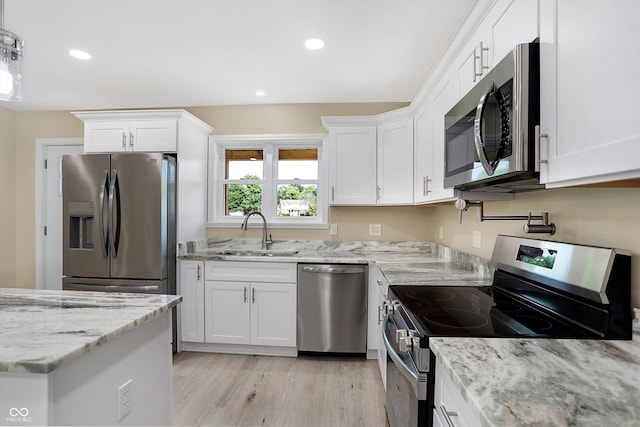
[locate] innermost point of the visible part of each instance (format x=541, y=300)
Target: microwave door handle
x=491, y=166
x=477, y=132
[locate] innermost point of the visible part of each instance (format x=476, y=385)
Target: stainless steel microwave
x=490, y=134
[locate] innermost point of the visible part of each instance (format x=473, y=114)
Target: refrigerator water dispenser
x=81, y=225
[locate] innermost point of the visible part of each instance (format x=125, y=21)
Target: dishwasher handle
x=333, y=269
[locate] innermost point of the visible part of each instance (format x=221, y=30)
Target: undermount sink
x=255, y=252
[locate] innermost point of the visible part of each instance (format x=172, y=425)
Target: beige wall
x=29, y=127
x=18, y=137
x=7, y=197
x=399, y=223
x=606, y=217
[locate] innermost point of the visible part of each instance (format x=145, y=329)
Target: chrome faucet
x=243, y=226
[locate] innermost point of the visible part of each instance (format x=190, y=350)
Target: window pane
x=242, y=198
x=298, y=163
x=297, y=200
x=243, y=164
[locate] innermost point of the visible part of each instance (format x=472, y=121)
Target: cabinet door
x=153, y=135
x=191, y=287
x=373, y=325
x=449, y=404
x=511, y=23
x=473, y=61
x=352, y=165
x=106, y=137
x=423, y=154
x=507, y=23
x=227, y=311
x=589, y=51
x=395, y=162
x=442, y=102
x=273, y=314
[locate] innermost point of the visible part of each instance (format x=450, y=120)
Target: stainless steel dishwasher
x=332, y=308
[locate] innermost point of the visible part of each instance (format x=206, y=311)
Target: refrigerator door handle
x=114, y=229
x=103, y=236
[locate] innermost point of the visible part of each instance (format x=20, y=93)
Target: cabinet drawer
x=285, y=272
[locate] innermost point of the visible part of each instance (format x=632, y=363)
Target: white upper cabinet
x=371, y=160
x=395, y=162
x=135, y=136
x=506, y=24
x=429, y=146
x=589, y=92
x=135, y=130
x=352, y=165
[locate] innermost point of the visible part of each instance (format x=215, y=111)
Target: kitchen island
x=85, y=358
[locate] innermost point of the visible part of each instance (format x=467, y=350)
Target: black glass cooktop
x=461, y=311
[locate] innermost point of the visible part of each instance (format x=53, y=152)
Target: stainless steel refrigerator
x=119, y=222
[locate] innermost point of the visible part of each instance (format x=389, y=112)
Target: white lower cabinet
x=383, y=287
x=250, y=313
x=229, y=303
x=227, y=312
x=250, y=303
x=191, y=287
x=450, y=408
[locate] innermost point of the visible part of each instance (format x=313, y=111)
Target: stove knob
x=388, y=306
x=401, y=334
x=405, y=344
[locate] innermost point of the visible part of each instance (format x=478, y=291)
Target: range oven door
x=407, y=402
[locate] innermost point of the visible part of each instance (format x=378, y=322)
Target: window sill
x=273, y=225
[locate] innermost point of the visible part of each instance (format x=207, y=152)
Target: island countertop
x=42, y=329
x=546, y=382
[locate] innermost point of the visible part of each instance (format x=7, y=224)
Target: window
x=279, y=176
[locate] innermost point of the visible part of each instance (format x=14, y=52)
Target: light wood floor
x=213, y=389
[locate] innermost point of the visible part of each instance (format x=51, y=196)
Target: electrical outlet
x=124, y=399
x=333, y=229
x=477, y=239
x=441, y=232
x=375, y=229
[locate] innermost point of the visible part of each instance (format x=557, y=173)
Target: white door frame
x=41, y=150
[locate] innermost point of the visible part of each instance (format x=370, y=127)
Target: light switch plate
x=333, y=229
x=441, y=232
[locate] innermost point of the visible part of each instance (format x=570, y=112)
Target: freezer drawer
x=332, y=308
x=113, y=285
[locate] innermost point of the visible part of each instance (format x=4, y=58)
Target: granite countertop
x=546, y=382
x=42, y=329
x=407, y=263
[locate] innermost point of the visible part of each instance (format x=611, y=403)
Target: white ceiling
x=170, y=53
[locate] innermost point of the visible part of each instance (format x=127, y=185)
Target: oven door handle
x=405, y=369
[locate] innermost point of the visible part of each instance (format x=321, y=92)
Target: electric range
x=541, y=289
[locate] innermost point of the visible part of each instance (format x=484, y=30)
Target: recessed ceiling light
x=260, y=93
x=314, y=44
x=80, y=54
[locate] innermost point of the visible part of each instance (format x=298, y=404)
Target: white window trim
x=217, y=145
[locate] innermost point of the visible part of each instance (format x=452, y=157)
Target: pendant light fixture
x=10, y=62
